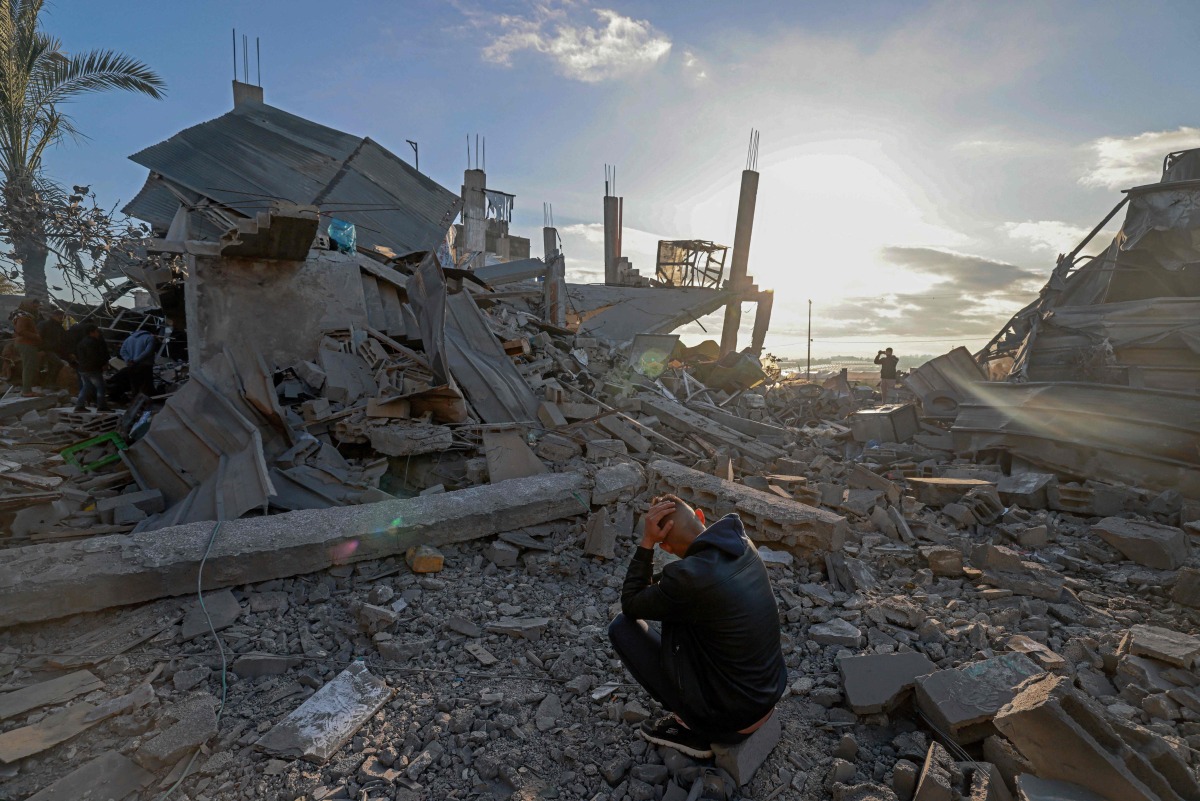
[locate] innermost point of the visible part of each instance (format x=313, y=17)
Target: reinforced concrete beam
x=51, y=580
x=804, y=530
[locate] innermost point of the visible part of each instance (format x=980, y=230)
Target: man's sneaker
x=670, y=732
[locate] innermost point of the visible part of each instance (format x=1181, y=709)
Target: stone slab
x=1187, y=588
x=879, y=682
x=616, y=480
x=743, y=760
x=1150, y=544
x=109, y=775
x=963, y=701
x=327, y=720
x=51, y=580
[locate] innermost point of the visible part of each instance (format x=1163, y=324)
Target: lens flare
x=343, y=551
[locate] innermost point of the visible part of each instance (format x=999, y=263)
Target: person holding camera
x=887, y=372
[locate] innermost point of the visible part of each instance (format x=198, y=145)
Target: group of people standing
x=43, y=345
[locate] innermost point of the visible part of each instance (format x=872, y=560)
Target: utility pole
x=808, y=369
x=416, y=154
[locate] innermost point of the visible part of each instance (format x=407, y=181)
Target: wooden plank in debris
x=130, y=629
x=321, y=725
x=10, y=502
x=55, y=728
x=109, y=775
x=44, y=483
x=55, y=691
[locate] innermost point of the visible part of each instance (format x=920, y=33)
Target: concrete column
x=612, y=237
x=762, y=320
x=741, y=257
x=549, y=244
x=474, y=212
x=556, y=290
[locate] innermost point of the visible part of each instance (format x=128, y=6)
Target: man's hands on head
x=657, y=521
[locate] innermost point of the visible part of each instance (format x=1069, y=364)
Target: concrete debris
x=316, y=729
x=876, y=683
x=1069, y=737
x=962, y=702
x=427, y=458
x=1149, y=544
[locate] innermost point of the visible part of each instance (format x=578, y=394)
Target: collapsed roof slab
x=47, y=581
x=618, y=313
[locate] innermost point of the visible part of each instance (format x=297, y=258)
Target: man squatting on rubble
x=717, y=665
x=887, y=372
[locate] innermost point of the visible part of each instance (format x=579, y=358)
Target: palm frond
x=60, y=79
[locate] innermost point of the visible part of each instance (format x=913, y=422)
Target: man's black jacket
x=91, y=354
x=720, y=625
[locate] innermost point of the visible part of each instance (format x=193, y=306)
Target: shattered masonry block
x=1150, y=544
x=876, y=683
x=601, y=536
x=806, y=531
x=606, y=448
x=327, y=720
x=1165, y=645
x=196, y=724
x=943, y=560
x=529, y=628
x=253, y=665
x=835, y=632
x=1187, y=588
x=410, y=439
x=743, y=760
x=424, y=559
x=940, y=776
x=963, y=701
x=502, y=554
x=616, y=480
x=1067, y=736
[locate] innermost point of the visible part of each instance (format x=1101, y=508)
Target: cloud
x=1053, y=235
x=1124, y=161
x=970, y=275
x=617, y=47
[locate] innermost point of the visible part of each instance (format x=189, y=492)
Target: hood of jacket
x=727, y=535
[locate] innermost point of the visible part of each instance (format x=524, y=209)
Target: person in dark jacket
x=52, y=345
x=717, y=665
x=91, y=356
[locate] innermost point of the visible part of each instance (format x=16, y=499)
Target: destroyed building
x=369, y=544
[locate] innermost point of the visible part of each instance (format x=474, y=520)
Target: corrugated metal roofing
x=256, y=152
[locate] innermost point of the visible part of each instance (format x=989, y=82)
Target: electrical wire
x=220, y=647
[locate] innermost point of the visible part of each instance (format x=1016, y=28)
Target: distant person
x=887, y=372
x=53, y=344
x=25, y=321
x=91, y=357
x=137, y=351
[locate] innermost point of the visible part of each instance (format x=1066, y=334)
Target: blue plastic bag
x=342, y=234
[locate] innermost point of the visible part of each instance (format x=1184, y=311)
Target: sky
x=922, y=163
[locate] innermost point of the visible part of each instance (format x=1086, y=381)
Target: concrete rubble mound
x=365, y=540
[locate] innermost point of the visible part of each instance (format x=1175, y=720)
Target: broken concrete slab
x=321, y=725
x=1187, y=588
x=1031, y=788
x=508, y=456
x=617, y=480
x=963, y=701
x=601, y=536
x=45, y=581
x=835, y=632
x=529, y=628
x=938, y=492
x=804, y=530
x=255, y=664
x=1068, y=736
x=223, y=610
x=876, y=683
x=502, y=554
x=410, y=439
x=109, y=775
x=1165, y=645
x=195, y=724
x=742, y=761
x=940, y=776
x=1150, y=544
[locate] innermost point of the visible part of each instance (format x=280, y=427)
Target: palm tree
x=36, y=79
